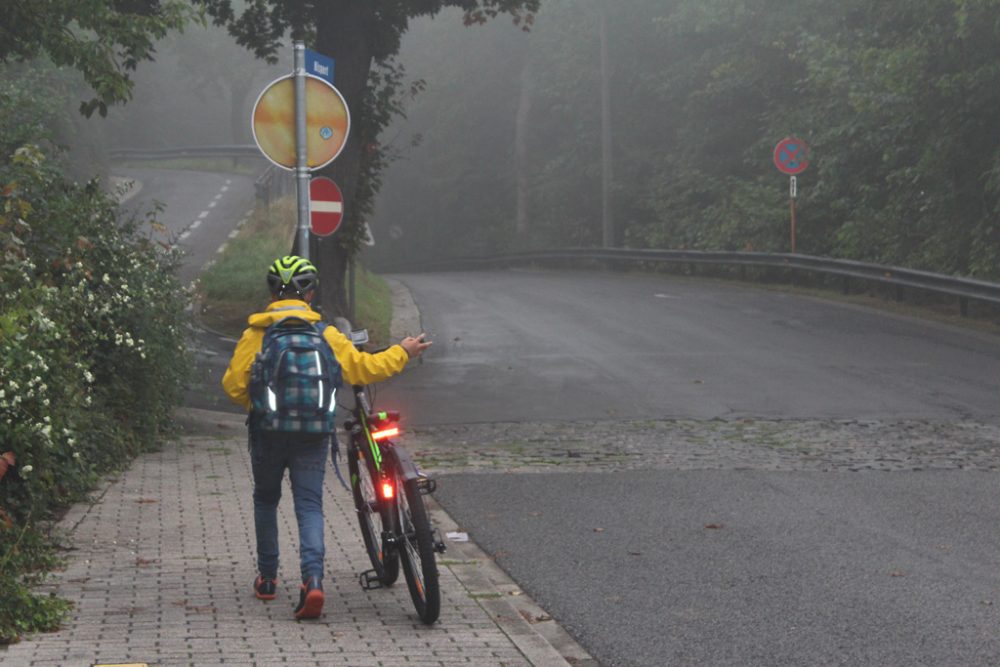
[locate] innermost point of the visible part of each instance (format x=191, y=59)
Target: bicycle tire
x=417, y=551
x=371, y=516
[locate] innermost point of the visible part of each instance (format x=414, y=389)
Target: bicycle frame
x=388, y=491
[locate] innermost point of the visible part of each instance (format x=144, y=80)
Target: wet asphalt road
x=201, y=209
x=551, y=346
x=734, y=568
x=720, y=567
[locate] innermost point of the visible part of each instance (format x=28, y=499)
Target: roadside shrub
x=92, y=358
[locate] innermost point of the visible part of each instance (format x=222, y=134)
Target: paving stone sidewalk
x=161, y=564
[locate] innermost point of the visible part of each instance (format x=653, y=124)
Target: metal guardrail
x=272, y=184
x=234, y=151
x=965, y=289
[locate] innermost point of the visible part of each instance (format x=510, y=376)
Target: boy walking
x=300, y=445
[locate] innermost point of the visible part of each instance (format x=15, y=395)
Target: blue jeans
x=305, y=458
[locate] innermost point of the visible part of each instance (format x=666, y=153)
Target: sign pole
x=301, y=156
x=792, y=195
x=791, y=157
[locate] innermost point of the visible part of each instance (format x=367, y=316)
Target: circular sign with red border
x=326, y=206
x=791, y=156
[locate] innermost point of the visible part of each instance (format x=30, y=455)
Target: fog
x=503, y=149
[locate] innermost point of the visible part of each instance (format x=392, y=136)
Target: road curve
x=545, y=346
x=201, y=209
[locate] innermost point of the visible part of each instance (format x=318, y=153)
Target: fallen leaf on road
x=147, y=501
x=634, y=553
x=532, y=618
x=897, y=573
x=598, y=530
x=714, y=526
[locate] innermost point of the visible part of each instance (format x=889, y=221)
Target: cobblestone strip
x=810, y=445
x=160, y=570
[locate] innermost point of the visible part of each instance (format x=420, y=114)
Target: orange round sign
x=327, y=122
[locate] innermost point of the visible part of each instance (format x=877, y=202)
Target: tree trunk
x=521, y=153
x=343, y=29
x=239, y=110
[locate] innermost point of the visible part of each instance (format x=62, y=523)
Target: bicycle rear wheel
x=417, y=551
x=372, y=518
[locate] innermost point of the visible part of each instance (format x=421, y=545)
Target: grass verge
x=234, y=286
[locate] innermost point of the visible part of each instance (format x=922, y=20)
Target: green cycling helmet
x=292, y=274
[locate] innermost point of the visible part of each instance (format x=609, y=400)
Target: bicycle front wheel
x=372, y=518
x=417, y=551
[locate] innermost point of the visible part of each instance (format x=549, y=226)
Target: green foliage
x=897, y=100
x=104, y=40
x=92, y=355
x=374, y=307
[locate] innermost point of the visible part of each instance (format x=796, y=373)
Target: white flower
x=106, y=279
x=76, y=455
x=26, y=469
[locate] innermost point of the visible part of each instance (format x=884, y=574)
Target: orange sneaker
x=310, y=599
x=264, y=588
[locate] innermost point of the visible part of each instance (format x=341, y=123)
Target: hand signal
x=415, y=346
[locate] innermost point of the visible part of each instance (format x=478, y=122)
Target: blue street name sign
x=319, y=65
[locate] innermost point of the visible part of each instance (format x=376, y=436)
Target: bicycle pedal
x=439, y=545
x=370, y=580
x=426, y=485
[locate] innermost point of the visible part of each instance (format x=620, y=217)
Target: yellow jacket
x=358, y=367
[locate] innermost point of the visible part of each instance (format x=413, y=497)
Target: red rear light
x=389, y=432
x=387, y=491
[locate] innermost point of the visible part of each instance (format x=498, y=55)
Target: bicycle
x=388, y=492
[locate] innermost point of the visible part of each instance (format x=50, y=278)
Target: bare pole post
x=608, y=223
x=301, y=149
x=793, y=193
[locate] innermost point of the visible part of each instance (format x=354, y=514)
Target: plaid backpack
x=294, y=379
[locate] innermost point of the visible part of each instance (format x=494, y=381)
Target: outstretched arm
x=415, y=346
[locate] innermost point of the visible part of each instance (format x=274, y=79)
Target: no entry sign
x=791, y=156
x=326, y=206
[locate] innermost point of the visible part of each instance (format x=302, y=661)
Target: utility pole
x=607, y=215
